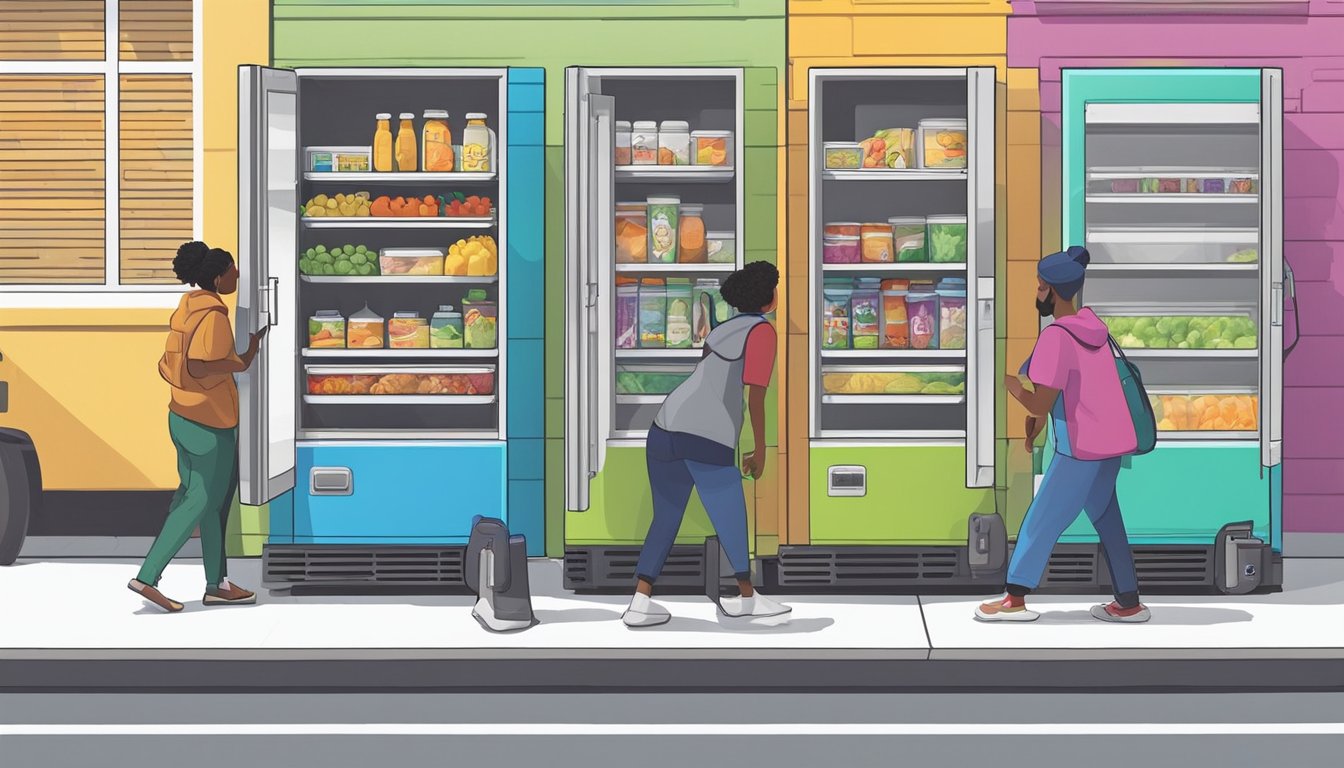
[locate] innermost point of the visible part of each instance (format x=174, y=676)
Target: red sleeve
x=759, y=358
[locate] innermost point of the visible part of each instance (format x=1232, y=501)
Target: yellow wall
x=860, y=33
x=83, y=382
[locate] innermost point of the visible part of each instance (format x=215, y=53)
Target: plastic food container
x=712, y=148
x=632, y=233
x=895, y=321
x=1213, y=412
x=952, y=326
x=480, y=321
x=644, y=143
x=691, y=240
x=445, y=329
x=411, y=261
x=921, y=306
x=401, y=381
x=407, y=330
x=842, y=228
x=706, y=305
x=627, y=314
x=1138, y=328
x=860, y=381
x=340, y=159
x=908, y=242
x=674, y=143
x=843, y=155
x=678, y=328
x=876, y=244
x=942, y=143
x=623, y=131
x=1168, y=186
x=365, y=330
x=721, y=247
x=663, y=218
x=1241, y=186
x=652, y=314
x=649, y=379
x=835, y=315
x=1125, y=186
x=326, y=330
x=865, y=313
x=840, y=249
x=946, y=241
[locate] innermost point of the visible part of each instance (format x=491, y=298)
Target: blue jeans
x=672, y=476
x=1071, y=486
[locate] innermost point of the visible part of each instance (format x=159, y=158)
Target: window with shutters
x=99, y=143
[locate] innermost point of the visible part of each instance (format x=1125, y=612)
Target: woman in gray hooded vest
x=693, y=442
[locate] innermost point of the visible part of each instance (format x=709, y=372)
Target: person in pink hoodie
x=1071, y=377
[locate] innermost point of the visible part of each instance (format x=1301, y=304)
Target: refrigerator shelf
x=403, y=279
x=1172, y=197
x=659, y=354
x=399, y=222
x=421, y=370
x=337, y=436
x=1205, y=436
x=399, y=399
x=376, y=354
x=1160, y=235
x=893, y=399
x=705, y=173
x=908, y=435
x=896, y=174
x=1211, y=268
x=699, y=268
x=894, y=267
x=403, y=178
x=894, y=354
x=891, y=369
x=1145, y=172
x=640, y=399
x=1192, y=354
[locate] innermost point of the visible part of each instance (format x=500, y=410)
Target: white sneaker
x=756, y=607
x=643, y=612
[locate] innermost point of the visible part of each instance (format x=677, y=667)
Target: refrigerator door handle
x=1276, y=305
x=274, y=290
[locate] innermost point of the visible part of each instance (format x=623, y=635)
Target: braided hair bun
x=200, y=265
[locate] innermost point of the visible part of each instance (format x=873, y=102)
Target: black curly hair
x=200, y=265
x=751, y=288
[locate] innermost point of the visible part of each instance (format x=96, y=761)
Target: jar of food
x=895, y=321
x=652, y=314
x=705, y=302
x=840, y=249
x=326, y=330
x=438, y=142
x=627, y=313
x=480, y=321
x=407, y=330
x=478, y=145
x=712, y=148
x=842, y=155
x=663, y=215
x=865, y=308
x=842, y=228
x=835, y=314
x=921, y=306
x=445, y=329
x=907, y=234
x=722, y=247
x=644, y=143
x=365, y=330
x=632, y=233
x=382, y=143
x=674, y=143
x=406, y=154
x=947, y=239
x=952, y=313
x=876, y=244
x=623, y=142
x=678, y=313
x=691, y=247
x=942, y=143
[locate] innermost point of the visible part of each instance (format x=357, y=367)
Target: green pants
x=207, y=468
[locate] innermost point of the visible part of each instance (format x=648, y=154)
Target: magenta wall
x=1306, y=40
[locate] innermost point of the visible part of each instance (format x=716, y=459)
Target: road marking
x=675, y=729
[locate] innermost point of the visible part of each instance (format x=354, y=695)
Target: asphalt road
x=651, y=731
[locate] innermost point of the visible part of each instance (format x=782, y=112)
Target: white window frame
x=112, y=294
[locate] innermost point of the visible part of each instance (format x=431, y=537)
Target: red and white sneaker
x=1114, y=613
x=1006, y=609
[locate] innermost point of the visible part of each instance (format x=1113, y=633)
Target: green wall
x=554, y=35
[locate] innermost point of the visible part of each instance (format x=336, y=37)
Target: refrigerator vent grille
x=610, y=568
x=1071, y=566
x=355, y=566
x=1173, y=566
x=867, y=568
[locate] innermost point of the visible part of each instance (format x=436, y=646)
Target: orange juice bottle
x=438, y=142
x=382, y=143
x=406, y=154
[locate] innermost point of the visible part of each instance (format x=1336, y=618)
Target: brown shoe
x=152, y=595
x=228, y=593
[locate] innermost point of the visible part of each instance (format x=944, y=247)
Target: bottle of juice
x=406, y=154
x=478, y=143
x=438, y=142
x=382, y=143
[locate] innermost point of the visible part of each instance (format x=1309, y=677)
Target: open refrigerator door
x=1274, y=280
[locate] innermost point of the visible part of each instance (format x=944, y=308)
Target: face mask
x=1046, y=307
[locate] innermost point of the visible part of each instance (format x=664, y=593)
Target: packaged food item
x=411, y=261
x=1144, y=331
x=1148, y=186
x=326, y=330
x=663, y=214
x=382, y=143
x=942, y=143
x=406, y=154
x=952, y=313
x=840, y=249
x=1241, y=186
x=876, y=244
x=674, y=143
x=407, y=330
x=691, y=245
x=340, y=159
x=865, y=311
x=1168, y=186
x=1212, y=186
x=1244, y=256
x=895, y=321
x=627, y=313
x=907, y=233
x=632, y=233
x=890, y=148
x=438, y=142
x=835, y=314
x=947, y=239
x=678, y=327
x=652, y=314
x=1199, y=413
x=623, y=130
x=480, y=321
x=644, y=143
x=1124, y=186
x=649, y=379
x=921, y=306
x=475, y=256
x=365, y=330
x=478, y=145
x=445, y=328
x=842, y=229
x=705, y=300
x=721, y=247
x=712, y=148
x=862, y=382
x=842, y=155
x=341, y=261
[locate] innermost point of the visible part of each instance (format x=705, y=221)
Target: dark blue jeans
x=677, y=463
